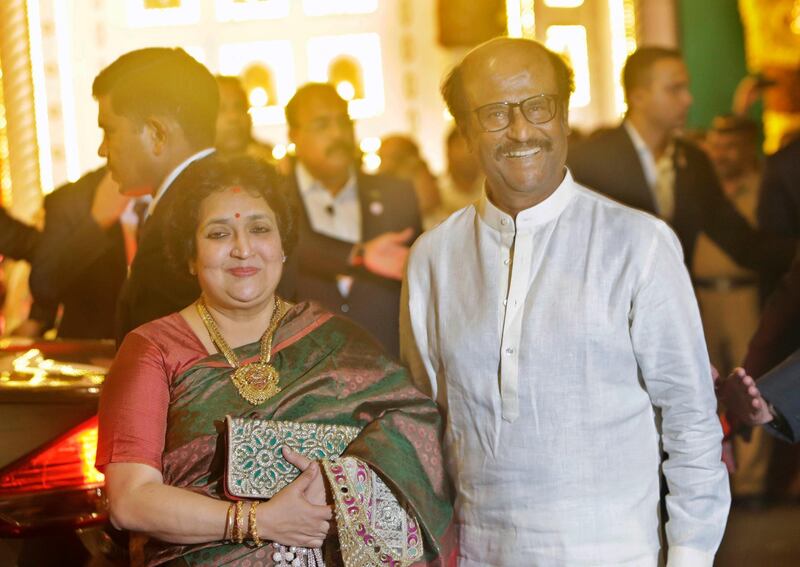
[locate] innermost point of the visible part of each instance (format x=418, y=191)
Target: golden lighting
x=520, y=18
x=258, y=97
x=5, y=169
x=355, y=58
x=794, y=24
x=146, y=13
x=570, y=41
x=563, y=3
x=346, y=90
x=622, y=20
x=87, y=441
x=371, y=162
x=279, y=152
x=65, y=74
x=265, y=65
x=32, y=370
x=240, y=11
x=370, y=144
x=40, y=97
x=339, y=7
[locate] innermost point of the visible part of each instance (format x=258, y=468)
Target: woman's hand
x=315, y=493
x=290, y=519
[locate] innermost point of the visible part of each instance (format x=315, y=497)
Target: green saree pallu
x=331, y=372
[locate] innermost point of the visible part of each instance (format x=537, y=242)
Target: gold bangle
x=228, y=535
x=252, y=526
x=238, y=523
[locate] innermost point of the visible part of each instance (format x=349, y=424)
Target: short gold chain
x=222, y=345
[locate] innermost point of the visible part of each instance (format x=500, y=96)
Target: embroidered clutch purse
x=255, y=467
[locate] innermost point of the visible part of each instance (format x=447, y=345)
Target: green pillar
x=712, y=41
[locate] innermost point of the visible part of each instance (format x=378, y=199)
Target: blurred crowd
x=95, y=261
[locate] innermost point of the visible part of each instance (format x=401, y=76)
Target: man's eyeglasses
x=537, y=109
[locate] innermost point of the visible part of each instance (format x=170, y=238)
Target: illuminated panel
x=622, y=15
x=197, y=53
x=363, y=49
x=5, y=170
x=152, y=13
x=334, y=7
x=67, y=90
x=563, y=3
x=40, y=97
x=243, y=10
x=570, y=41
x=520, y=19
x=277, y=56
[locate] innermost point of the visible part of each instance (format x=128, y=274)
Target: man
x=234, y=124
x=643, y=164
x=463, y=183
x=157, y=109
x=401, y=158
x=779, y=202
x=17, y=239
x=728, y=294
x=353, y=229
x=559, y=332
x=774, y=360
x=82, y=260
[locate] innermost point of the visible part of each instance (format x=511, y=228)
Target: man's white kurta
x=553, y=342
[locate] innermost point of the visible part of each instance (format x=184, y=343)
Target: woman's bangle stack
x=235, y=527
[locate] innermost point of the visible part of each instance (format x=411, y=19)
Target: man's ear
x=157, y=132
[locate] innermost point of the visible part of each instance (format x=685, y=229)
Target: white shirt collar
x=307, y=183
x=172, y=176
x=538, y=214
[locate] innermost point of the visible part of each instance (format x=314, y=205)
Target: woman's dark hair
x=209, y=175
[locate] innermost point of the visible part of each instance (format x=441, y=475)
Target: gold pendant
x=256, y=382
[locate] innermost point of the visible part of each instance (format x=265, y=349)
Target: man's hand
x=108, y=203
x=741, y=397
x=386, y=255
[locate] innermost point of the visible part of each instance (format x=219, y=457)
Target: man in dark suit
x=17, y=239
x=773, y=400
x=157, y=110
x=779, y=206
x=642, y=163
x=779, y=201
x=354, y=229
x=81, y=262
x=773, y=359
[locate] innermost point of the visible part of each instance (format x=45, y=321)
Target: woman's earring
x=284, y=259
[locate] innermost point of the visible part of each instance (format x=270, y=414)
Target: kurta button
x=507, y=261
x=510, y=350
x=504, y=222
x=345, y=308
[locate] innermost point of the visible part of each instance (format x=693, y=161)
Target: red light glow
x=66, y=463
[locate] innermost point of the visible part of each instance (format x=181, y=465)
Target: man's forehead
x=518, y=72
x=319, y=105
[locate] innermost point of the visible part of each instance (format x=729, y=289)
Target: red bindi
x=237, y=215
x=236, y=189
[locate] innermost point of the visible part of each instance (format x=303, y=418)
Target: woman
x=240, y=350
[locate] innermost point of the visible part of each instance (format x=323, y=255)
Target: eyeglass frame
x=553, y=99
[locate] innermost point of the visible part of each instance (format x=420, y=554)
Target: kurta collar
x=534, y=216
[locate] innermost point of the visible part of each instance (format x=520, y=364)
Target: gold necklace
x=258, y=381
